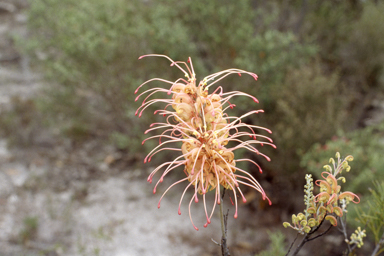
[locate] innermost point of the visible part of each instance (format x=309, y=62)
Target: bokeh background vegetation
x=320, y=67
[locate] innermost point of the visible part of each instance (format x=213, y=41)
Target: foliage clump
x=277, y=246
x=371, y=216
x=365, y=145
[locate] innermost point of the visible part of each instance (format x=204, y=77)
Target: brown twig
x=379, y=244
x=307, y=238
x=290, y=247
x=224, y=219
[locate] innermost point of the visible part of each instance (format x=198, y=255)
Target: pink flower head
x=197, y=125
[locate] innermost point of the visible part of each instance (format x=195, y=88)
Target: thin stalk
x=343, y=230
x=379, y=244
x=300, y=245
x=290, y=247
x=307, y=238
x=223, y=218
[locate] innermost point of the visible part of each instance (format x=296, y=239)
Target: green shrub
x=370, y=215
x=89, y=50
x=277, y=246
x=363, y=54
x=366, y=147
x=29, y=231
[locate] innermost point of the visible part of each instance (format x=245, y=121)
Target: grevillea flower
x=197, y=125
x=330, y=203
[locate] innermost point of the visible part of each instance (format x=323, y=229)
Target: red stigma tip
x=137, y=98
x=262, y=144
x=179, y=212
x=189, y=59
x=235, y=216
x=140, y=115
x=164, y=115
x=145, y=160
x=239, y=74
x=196, y=228
x=158, y=205
x=255, y=100
x=244, y=200
x=142, y=143
x=136, y=90
x=206, y=225
x=154, y=192
x=141, y=57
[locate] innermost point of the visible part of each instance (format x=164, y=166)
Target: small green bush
x=277, y=246
x=89, y=51
x=371, y=215
x=365, y=145
x=363, y=54
x=29, y=231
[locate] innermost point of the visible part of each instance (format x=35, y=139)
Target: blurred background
x=72, y=178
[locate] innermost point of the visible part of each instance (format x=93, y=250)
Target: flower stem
x=223, y=218
x=379, y=244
